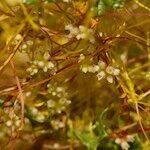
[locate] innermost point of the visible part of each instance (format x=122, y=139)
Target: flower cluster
x=37, y=115
x=80, y=32
x=43, y=64
x=25, y=46
x=11, y=120
x=57, y=124
x=102, y=70
x=123, y=142
x=60, y=99
x=57, y=104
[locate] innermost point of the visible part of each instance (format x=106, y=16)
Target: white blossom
x=96, y=68
x=102, y=64
x=116, y=72
x=41, y=64
x=81, y=36
x=123, y=142
x=110, y=69
x=84, y=69
x=81, y=32
x=125, y=145
x=24, y=46
x=9, y=123
x=101, y=75
x=46, y=56
x=18, y=37
x=110, y=79
x=51, y=103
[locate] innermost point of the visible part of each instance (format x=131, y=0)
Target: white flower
x=50, y=65
x=123, y=57
x=35, y=70
x=54, y=93
x=116, y=72
x=110, y=69
x=102, y=64
x=46, y=56
x=18, y=37
x=91, y=69
x=45, y=69
x=61, y=124
x=96, y=68
x=40, y=117
x=9, y=123
x=34, y=111
x=41, y=64
x=82, y=57
x=28, y=93
x=68, y=102
x=51, y=103
x=80, y=32
x=124, y=145
x=81, y=36
x=74, y=31
x=110, y=79
x=57, y=124
x=59, y=89
x=123, y=142
x=101, y=75
x=84, y=69
x=69, y=27
x=118, y=141
x=24, y=46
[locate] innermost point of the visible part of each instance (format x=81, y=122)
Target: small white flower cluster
x=13, y=120
x=59, y=101
x=81, y=58
x=123, y=142
x=80, y=32
x=25, y=46
x=102, y=70
x=43, y=64
x=57, y=124
x=57, y=104
x=38, y=115
x=89, y=68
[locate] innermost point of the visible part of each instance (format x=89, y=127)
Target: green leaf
x=100, y=124
x=1, y=101
x=101, y=8
x=31, y=1
x=90, y=140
